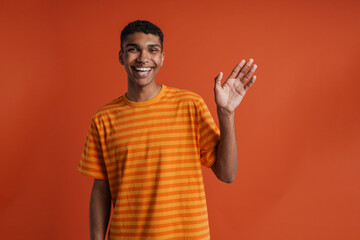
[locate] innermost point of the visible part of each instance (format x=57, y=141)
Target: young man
x=145, y=149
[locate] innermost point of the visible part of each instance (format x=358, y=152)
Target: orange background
x=298, y=126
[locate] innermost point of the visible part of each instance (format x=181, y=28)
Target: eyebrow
x=136, y=45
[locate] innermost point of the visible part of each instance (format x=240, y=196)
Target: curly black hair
x=141, y=26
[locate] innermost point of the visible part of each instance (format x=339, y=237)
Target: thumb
x=218, y=80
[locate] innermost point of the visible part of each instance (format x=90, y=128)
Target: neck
x=142, y=93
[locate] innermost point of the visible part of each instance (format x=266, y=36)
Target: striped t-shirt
x=151, y=153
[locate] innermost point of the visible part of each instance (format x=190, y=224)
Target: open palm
x=229, y=95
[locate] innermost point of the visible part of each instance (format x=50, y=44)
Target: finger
x=249, y=74
x=245, y=68
x=218, y=80
x=237, y=69
x=251, y=82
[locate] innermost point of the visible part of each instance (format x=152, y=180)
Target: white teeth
x=142, y=69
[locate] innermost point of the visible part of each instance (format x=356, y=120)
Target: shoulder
x=182, y=95
x=108, y=110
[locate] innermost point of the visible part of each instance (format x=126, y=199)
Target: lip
x=141, y=74
x=142, y=66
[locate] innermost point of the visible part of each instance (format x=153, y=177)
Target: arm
x=228, y=97
x=225, y=166
x=100, y=207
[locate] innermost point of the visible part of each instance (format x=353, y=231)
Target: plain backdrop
x=298, y=127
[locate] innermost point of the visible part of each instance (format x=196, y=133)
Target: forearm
x=227, y=154
x=100, y=208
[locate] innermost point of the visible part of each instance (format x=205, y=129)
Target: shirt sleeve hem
x=210, y=163
x=90, y=174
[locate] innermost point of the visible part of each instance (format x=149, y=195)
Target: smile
x=141, y=71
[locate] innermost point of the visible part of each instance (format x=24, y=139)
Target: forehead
x=141, y=38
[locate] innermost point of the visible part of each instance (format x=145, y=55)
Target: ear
x=162, y=58
x=121, y=57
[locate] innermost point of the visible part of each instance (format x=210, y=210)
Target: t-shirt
x=151, y=153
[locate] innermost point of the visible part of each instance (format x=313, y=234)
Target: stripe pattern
x=151, y=153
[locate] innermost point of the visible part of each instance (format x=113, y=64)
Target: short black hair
x=141, y=26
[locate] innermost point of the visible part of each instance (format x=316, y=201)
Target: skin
x=144, y=50
x=100, y=208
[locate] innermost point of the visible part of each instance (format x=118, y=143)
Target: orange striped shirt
x=151, y=153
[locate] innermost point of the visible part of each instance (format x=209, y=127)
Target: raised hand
x=229, y=95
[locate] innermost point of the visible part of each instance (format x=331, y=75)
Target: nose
x=143, y=57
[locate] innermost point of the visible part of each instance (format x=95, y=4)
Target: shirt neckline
x=147, y=102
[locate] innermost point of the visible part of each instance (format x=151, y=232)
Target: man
x=145, y=149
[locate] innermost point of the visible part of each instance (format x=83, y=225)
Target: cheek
x=160, y=61
x=129, y=58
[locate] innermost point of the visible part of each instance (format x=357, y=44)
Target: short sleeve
x=92, y=161
x=209, y=135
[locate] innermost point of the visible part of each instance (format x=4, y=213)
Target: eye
x=154, y=50
x=132, y=49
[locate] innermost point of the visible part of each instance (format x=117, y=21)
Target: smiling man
x=145, y=149
x=142, y=56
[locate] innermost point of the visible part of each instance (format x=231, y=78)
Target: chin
x=142, y=82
